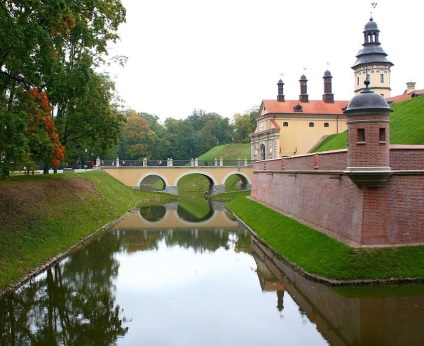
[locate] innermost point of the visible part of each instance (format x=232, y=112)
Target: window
x=326, y=125
x=311, y=124
x=361, y=135
x=382, y=135
x=381, y=78
x=357, y=80
x=298, y=108
x=285, y=124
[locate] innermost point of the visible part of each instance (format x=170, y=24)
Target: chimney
x=410, y=87
x=328, y=96
x=280, y=96
x=303, y=97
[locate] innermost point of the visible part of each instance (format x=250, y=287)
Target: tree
x=55, y=49
x=93, y=123
x=245, y=124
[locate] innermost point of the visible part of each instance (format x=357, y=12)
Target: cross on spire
x=374, y=5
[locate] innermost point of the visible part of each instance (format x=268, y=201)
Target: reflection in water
x=71, y=303
x=167, y=280
x=377, y=315
x=153, y=213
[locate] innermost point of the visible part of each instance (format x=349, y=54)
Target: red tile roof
x=405, y=96
x=311, y=107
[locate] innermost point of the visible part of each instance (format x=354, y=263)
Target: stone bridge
x=170, y=175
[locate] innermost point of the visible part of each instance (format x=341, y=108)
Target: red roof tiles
x=311, y=107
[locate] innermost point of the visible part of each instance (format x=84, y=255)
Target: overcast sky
x=225, y=56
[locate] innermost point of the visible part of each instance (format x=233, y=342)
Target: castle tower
x=303, y=97
x=280, y=96
x=328, y=96
x=368, y=154
x=371, y=60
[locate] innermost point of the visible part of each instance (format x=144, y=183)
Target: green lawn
x=318, y=254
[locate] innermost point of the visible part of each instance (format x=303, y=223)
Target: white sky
x=225, y=56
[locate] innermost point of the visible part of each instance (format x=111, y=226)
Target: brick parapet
x=407, y=157
x=402, y=158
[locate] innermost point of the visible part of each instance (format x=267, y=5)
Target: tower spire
x=371, y=61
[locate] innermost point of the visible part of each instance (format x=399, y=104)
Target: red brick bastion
x=316, y=189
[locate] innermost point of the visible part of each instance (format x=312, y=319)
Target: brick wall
x=331, y=202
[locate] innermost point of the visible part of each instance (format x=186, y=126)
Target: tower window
x=326, y=125
x=357, y=80
x=361, y=135
x=381, y=78
x=285, y=124
x=311, y=124
x=382, y=134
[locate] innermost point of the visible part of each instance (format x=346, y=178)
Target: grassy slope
x=406, y=126
x=321, y=255
x=227, y=152
x=42, y=216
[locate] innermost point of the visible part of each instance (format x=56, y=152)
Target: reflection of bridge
x=170, y=175
x=171, y=220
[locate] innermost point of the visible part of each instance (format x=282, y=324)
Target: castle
x=369, y=195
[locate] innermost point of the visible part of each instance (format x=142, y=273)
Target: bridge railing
x=177, y=163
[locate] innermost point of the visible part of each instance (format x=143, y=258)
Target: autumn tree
x=54, y=47
x=244, y=125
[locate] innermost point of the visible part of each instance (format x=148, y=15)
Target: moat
x=176, y=275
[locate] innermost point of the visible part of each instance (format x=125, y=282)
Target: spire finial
x=374, y=5
x=367, y=79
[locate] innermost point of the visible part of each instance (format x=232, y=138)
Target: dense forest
x=56, y=108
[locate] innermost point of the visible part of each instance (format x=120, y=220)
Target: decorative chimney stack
x=368, y=155
x=303, y=97
x=328, y=96
x=410, y=87
x=280, y=96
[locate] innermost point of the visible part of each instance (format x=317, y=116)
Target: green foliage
x=55, y=50
x=318, y=254
x=406, y=126
x=244, y=125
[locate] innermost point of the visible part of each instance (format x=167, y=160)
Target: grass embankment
x=42, y=216
x=320, y=255
x=406, y=126
x=227, y=152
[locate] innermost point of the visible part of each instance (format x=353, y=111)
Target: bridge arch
x=208, y=175
x=245, y=179
x=213, y=185
x=156, y=174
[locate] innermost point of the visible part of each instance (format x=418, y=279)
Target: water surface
x=174, y=275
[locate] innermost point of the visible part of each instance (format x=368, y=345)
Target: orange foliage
x=58, y=152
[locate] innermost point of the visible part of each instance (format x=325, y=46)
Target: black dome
x=366, y=101
x=371, y=26
x=327, y=74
